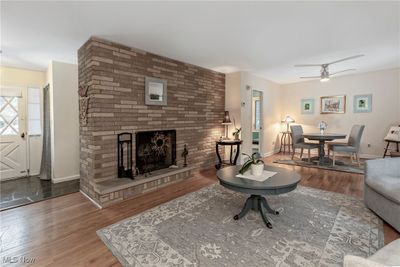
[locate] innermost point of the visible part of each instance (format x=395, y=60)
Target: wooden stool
x=387, y=146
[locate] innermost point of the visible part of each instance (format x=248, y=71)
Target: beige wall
x=271, y=113
x=23, y=78
x=238, y=101
x=64, y=117
x=232, y=99
x=383, y=85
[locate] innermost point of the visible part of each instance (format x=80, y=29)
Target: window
x=257, y=114
x=34, y=121
x=9, y=119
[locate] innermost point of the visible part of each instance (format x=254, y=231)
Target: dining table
x=322, y=138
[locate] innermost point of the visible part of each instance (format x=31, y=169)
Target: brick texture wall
x=116, y=76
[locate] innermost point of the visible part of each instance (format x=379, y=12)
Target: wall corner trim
x=91, y=200
x=66, y=178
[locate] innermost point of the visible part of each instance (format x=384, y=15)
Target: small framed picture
x=362, y=103
x=307, y=106
x=155, y=91
x=333, y=104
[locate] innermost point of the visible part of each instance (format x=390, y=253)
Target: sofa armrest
x=382, y=167
x=355, y=261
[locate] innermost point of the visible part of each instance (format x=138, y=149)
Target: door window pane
x=34, y=121
x=9, y=121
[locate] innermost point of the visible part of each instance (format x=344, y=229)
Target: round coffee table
x=282, y=182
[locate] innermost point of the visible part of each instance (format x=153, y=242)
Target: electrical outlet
x=369, y=145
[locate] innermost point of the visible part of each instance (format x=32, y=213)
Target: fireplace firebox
x=155, y=150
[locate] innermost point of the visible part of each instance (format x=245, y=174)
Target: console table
x=230, y=143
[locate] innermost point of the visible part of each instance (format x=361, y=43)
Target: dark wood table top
x=325, y=136
x=283, y=179
x=229, y=142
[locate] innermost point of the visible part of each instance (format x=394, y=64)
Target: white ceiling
x=265, y=38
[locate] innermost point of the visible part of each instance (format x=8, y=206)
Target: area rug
x=315, y=228
x=342, y=167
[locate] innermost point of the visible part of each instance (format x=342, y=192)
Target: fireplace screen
x=155, y=150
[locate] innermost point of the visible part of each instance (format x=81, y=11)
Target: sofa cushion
x=388, y=255
x=388, y=186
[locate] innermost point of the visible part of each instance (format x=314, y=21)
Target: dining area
x=325, y=149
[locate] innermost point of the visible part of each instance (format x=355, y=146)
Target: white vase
x=257, y=169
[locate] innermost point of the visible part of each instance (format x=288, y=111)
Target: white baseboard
x=66, y=178
x=270, y=153
x=91, y=200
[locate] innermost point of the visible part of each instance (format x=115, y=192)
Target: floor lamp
x=286, y=136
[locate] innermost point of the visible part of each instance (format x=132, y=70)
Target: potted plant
x=237, y=130
x=236, y=133
x=255, y=163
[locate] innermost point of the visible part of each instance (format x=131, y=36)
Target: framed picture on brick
x=155, y=91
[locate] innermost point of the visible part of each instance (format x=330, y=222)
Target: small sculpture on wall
x=185, y=153
x=83, y=103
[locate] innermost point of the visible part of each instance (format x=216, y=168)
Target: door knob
x=23, y=135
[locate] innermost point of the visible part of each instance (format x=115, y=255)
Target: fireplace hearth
x=155, y=150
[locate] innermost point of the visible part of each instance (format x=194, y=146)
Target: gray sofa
x=382, y=189
x=386, y=256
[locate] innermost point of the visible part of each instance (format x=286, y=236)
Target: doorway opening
x=21, y=149
x=256, y=128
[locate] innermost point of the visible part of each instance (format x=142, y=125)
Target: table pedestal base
x=257, y=203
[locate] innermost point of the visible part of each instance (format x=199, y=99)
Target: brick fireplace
x=115, y=75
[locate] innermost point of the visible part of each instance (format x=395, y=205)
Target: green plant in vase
x=237, y=131
x=255, y=162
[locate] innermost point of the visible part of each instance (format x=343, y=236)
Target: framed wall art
x=362, y=103
x=155, y=91
x=333, y=104
x=307, y=106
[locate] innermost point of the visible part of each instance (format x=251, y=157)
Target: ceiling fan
x=325, y=68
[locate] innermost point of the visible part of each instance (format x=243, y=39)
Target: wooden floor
x=62, y=231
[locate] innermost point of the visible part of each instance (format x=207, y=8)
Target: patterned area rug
x=316, y=228
x=341, y=166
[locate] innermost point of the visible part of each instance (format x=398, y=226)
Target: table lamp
x=288, y=120
x=226, y=122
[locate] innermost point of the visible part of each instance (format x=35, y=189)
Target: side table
x=230, y=143
x=286, y=141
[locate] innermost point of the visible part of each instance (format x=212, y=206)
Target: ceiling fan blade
x=310, y=77
x=341, y=71
x=308, y=65
x=343, y=59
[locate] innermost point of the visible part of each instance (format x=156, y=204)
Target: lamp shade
x=288, y=119
x=227, y=119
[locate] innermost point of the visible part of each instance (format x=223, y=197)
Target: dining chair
x=298, y=141
x=352, y=146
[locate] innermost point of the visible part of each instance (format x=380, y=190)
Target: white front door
x=13, y=153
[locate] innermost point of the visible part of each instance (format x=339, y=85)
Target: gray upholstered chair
x=352, y=146
x=298, y=141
